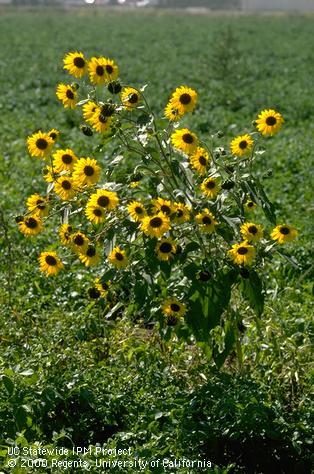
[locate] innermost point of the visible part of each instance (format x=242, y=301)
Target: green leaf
x=252, y=290
x=230, y=337
x=8, y=384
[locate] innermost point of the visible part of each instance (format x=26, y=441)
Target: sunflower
x=95, y=214
x=102, y=70
x=100, y=122
x=89, y=109
x=37, y=205
x=89, y=256
x=284, y=233
x=101, y=286
x=63, y=160
x=65, y=188
x=75, y=63
x=251, y=232
x=105, y=199
x=181, y=212
x=53, y=134
x=211, y=187
x=79, y=242
x=136, y=210
x=165, y=249
x=250, y=206
x=172, y=113
x=269, y=122
x=162, y=205
x=184, y=99
x=242, y=254
x=206, y=220
x=184, y=140
x=67, y=95
x=50, y=263
x=118, y=258
x=241, y=145
x=31, y=226
x=173, y=307
x=156, y=225
x=200, y=160
x=39, y=144
x=65, y=233
x=130, y=97
x=86, y=171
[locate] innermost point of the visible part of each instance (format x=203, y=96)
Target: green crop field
x=77, y=372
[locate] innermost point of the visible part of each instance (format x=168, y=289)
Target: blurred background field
x=66, y=373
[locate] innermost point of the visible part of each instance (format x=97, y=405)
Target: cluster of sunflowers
x=185, y=205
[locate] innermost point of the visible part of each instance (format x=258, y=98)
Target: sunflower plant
x=180, y=240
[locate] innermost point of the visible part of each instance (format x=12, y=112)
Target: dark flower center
x=204, y=275
x=102, y=118
x=109, y=69
x=119, y=256
x=40, y=204
x=138, y=210
x=67, y=159
x=31, y=223
x=105, y=286
x=53, y=135
x=188, y=138
x=175, y=307
x=271, y=121
x=103, y=201
x=156, y=222
x=250, y=204
x=185, y=99
x=89, y=170
x=66, y=185
x=94, y=293
x=133, y=98
x=284, y=230
x=242, y=250
x=97, y=212
x=78, y=240
x=243, y=144
x=179, y=213
x=206, y=220
x=91, y=252
x=253, y=229
x=79, y=62
x=41, y=143
x=202, y=161
x=165, y=209
x=50, y=260
x=210, y=185
x=100, y=71
x=69, y=94
x=165, y=247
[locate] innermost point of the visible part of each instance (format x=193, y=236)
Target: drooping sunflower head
x=48, y=174
x=206, y=221
x=54, y=134
x=86, y=171
x=162, y=205
x=211, y=187
x=39, y=144
x=63, y=160
x=102, y=286
x=118, y=258
x=31, y=225
x=284, y=233
x=184, y=99
x=200, y=160
x=165, y=249
x=67, y=95
x=242, y=145
x=130, y=98
x=184, y=140
x=172, y=113
x=75, y=63
x=242, y=254
x=89, y=255
x=102, y=70
x=37, y=205
x=251, y=232
x=65, y=187
x=65, y=233
x=95, y=214
x=50, y=263
x=156, y=225
x=89, y=109
x=136, y=210
x=181, y=213
x=173, y=307
x=269, y=122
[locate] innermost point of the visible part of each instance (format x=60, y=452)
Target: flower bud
x=86, y=130
x=228, y=184
x=93, y=293
x=114, y=87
